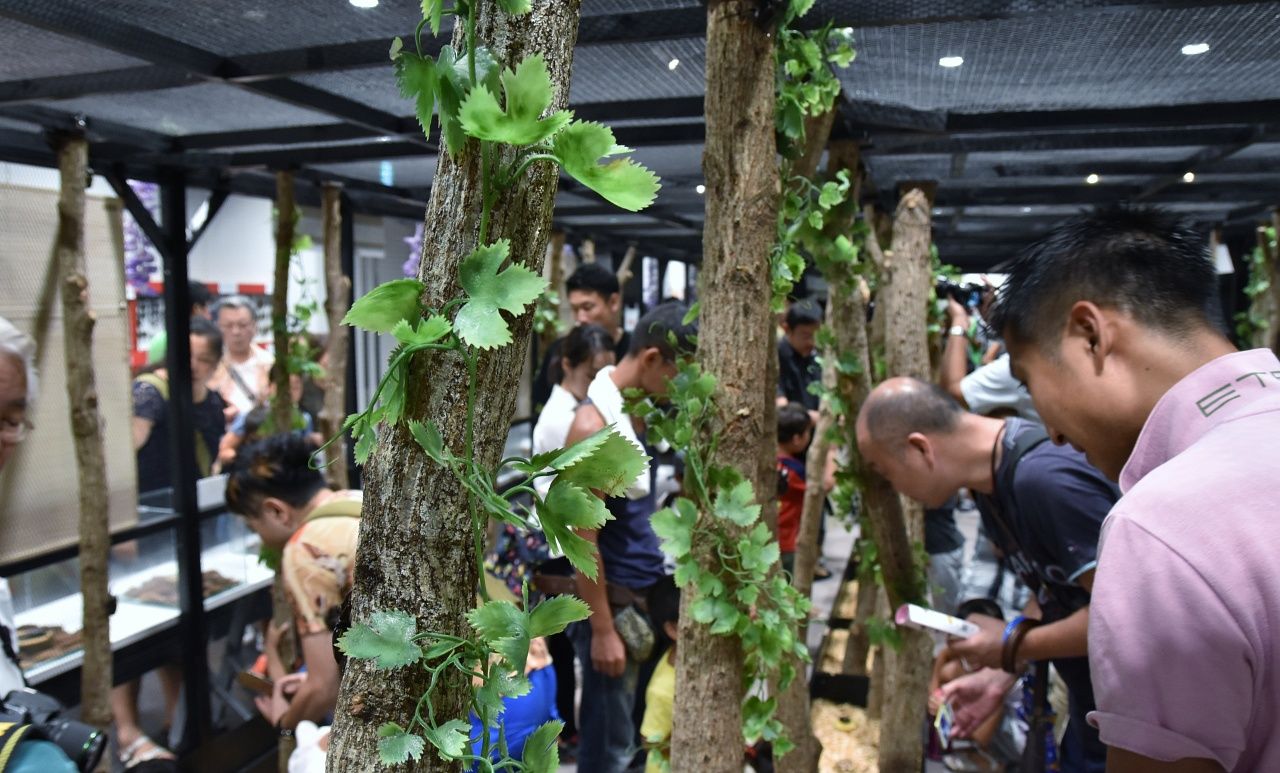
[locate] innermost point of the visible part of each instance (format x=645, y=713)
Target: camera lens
x=82, y=743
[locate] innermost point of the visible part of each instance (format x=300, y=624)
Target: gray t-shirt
x=993, y=387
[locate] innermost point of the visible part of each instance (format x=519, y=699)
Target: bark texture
x=282, y=400
x=904, y=300
x=337, y=301
x=86, y=430
x=555, y=280
x=416, y=548
x=1266, y=306
x=735, y=343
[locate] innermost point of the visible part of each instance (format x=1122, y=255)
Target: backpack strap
x=1029, y=438
x=11, y=734
x=204, y=459
x=161, y=385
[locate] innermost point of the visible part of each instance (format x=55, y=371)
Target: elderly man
x=1041, y=505
x=1112, y=322
x=244, y=374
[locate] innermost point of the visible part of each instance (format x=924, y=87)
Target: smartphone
x=943, y=724
x=255, y=682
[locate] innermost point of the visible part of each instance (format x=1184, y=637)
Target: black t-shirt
x=941, y=535
x=154, y=458
x=549, y=373
x=795, y=374
x=1047, y=527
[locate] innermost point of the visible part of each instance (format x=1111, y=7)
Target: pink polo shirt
x=1184, y=628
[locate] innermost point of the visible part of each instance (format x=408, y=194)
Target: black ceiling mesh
x=626, y=71
x=33, y=53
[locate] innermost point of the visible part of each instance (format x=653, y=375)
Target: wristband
x=957, y=330
x=1009, y=653
x=1011, y=627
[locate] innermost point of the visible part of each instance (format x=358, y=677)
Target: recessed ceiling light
x=1195, y=49
x=700, y=188
x=1092, y=179
x=1189, y=177
x=951, y=61
x=673, y=64
x=1026, y=209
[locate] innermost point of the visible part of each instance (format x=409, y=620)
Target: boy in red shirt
x=795, y=429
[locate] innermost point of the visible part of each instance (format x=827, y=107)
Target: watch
x=958, y=330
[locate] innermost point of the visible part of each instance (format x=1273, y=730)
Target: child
x=795, y=429
x=664, y=613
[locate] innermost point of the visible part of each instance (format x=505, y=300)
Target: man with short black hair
x=629, y=555
x=596, y=299
x=1041, y=505
x=798, y=366
x=1111, y=321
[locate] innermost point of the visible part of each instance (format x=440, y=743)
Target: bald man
x=1042, y=505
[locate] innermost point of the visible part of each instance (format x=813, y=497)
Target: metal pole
x=191, y=628
x=348, y=231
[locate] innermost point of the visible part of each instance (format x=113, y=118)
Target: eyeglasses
x=15, y=431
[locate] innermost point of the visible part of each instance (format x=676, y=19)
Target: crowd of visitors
x=1112, y=440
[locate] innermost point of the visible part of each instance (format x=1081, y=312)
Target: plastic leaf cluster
x=734, y=582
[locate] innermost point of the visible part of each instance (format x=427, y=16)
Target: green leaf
x=554, y=614
x=692, y=313
x=561, y=458
x=452, y=738
x=454, y=84
x=396, y=746
x=427, y=331
x=417, y=78
x=675, y=531
x=611, y=468
x=541, y=754
x=428, y=437
x=387, y=639
x=515, y=8
x=568, y=507
x=622, y=181
x=816, y=220
x=380, y=309
x=737, y=504
x=489, y=291
x=505, y=628
x=528, y=95
x=432, y=10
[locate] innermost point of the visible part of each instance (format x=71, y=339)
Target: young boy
x=664, y=613
x=795, y=429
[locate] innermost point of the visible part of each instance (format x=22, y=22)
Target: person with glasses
x=244, y=374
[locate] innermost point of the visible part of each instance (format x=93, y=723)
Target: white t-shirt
x=10, y=674
x=993, y=387
x=552, y=428
x=255, y=372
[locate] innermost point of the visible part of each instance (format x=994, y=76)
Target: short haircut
x=806, y=312
x=594, y=278
x=926, y=408
x=585, y=342
x=664, y=602
x=1143, y=261
x=20, y=346
x=793, y=421
x=234, y=302
x=198, y=294
x=664, y=328
x=208, y=331
x=278, y=466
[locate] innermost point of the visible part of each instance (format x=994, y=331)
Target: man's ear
x=672, y=629
x=277, y=511
x=651, y=358
x=918, y=442
x=1091, y=327
x=614, y=302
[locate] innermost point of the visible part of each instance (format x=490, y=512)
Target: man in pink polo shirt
x=1111, y=321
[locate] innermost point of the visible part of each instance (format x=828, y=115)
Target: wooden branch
x=282, y=400
x=337, y=301
x=817, y=131
x=624, y=270
x=873, y=241
x=587, y=251
x=86, y=429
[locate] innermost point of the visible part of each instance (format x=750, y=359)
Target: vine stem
x=471, y=41
x=486, y=195
x=529, y=161
x=477, y=527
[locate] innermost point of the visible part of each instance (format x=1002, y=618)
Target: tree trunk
x=904, y=297
x=337, y=301
x=858, y=644
x=1265, y=307
x=555, y=281
x=282, y=400
x=282, y=615
x=735, y=343
x=416, y=550
x=86, y=429
x=624, y=269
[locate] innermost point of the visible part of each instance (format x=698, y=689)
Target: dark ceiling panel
x=30, y=52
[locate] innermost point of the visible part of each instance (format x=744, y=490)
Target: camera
x=83, y=744
x=968, y=295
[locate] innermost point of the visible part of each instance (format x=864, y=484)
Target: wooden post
x=555, y=280
x=86, y=429
x=624, y=269
x=587, y=251
x=337, y=301
x=416, y=544
x=735, y=343
x=282, y=402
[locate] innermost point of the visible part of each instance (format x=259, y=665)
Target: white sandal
x=138, y=752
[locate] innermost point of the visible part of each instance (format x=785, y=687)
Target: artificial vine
x=481, y=109
x=740, y=593
x=1250, y=321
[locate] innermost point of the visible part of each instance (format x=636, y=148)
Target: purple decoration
x=410, y=266
x=141, y=259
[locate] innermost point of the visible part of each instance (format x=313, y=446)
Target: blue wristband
x=1011, y=627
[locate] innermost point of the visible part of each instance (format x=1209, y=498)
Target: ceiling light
x=673, y=64
x=364, y=3
x=1026, y=210
x=1195, y=49
x=700, y=188
x=1189, y=177
x=951, y=61
x=1092, y=179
